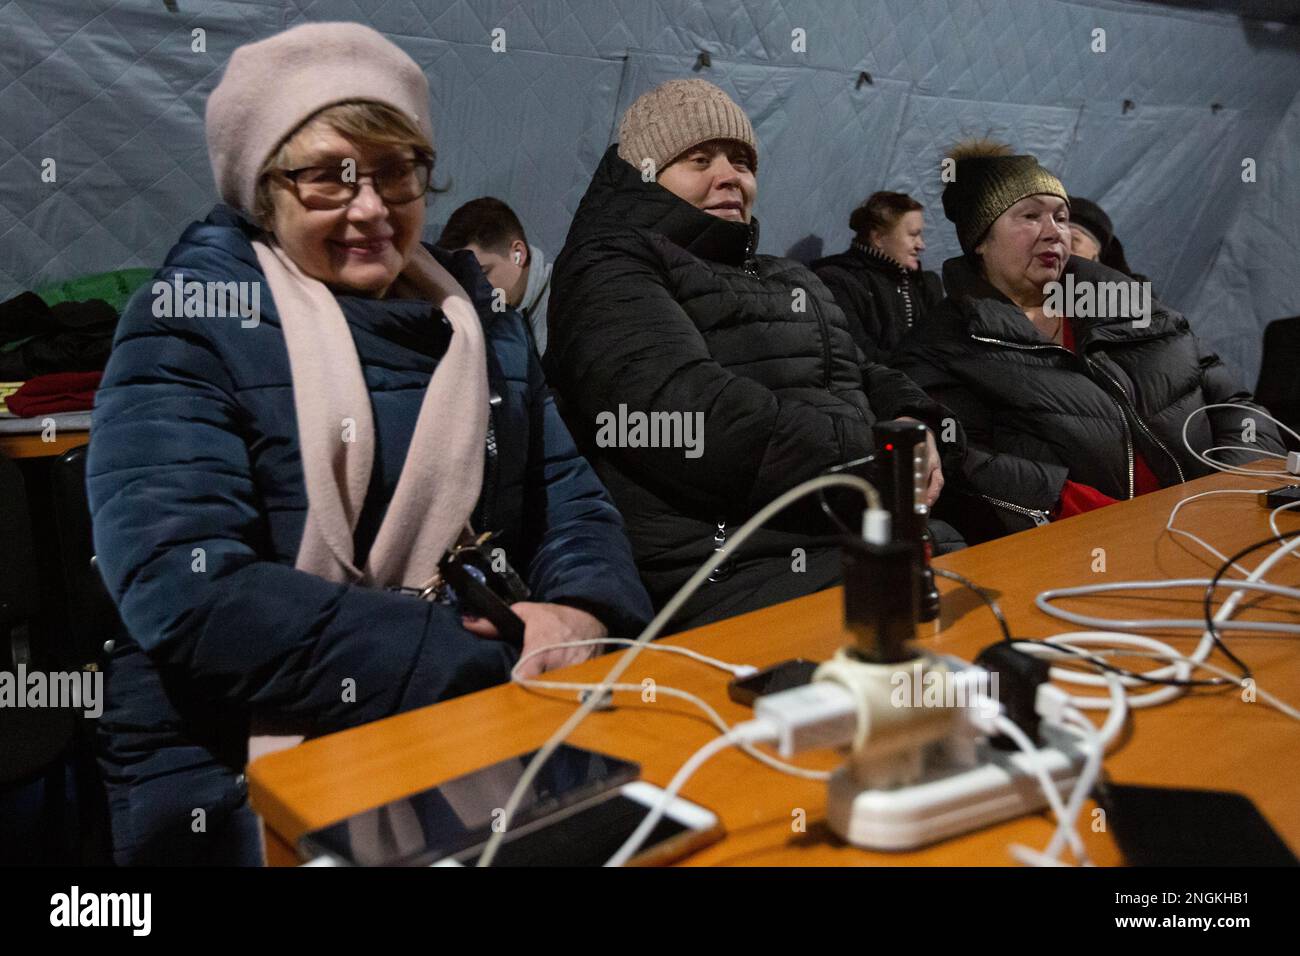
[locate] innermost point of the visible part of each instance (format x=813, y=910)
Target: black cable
x=983, y=594
x=830, y=513
x=1210, y=625
x=1124, y=672
x=993, y=606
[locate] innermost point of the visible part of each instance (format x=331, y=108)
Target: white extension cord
x=999, y=785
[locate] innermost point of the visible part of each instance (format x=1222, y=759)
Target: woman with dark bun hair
x=878, y=281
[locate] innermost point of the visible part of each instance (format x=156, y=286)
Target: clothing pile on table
x=54, y=344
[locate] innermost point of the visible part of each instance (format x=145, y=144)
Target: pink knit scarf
x=443, y=471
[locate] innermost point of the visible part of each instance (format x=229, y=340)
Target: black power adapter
x=1286, y=495
x=881, y=596
x=1019, y=677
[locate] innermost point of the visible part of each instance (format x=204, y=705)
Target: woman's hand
x=544, y=625
x=933, y=466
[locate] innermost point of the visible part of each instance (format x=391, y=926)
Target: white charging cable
x=1011, y=729
x=741, y=670
x=1173, y=514
x=736, y=670
x=1272, y=519
x=1045, y=598
x=1234, y=469
x=1079, y=655
x=1198, y=656
x=750, y=732
x=876, y=530
x=1054, y=706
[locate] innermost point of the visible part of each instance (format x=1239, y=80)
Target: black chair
x=1278, y=388
x=89, y=623
x=91, y=619
x=33, y=740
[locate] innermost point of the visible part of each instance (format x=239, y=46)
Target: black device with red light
x=900, y=475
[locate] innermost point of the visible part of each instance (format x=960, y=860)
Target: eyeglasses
x=335, y=186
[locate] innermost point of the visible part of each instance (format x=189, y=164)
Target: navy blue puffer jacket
x=197, y=494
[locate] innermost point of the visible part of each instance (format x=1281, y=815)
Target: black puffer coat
x=1035, y=414
x=881, y=298
x=660, y=307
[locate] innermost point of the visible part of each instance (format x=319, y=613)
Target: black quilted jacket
x=658, y=306
x=1035, y=414
x=882, y=299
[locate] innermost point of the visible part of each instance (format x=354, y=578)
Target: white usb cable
x=876, y=529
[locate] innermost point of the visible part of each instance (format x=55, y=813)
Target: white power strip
x=951, y=800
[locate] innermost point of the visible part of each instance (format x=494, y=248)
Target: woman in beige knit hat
x=663, y=311
x=273, y=490
x=1072, y=382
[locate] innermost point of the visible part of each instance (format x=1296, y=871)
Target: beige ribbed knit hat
x=271, y=86
x=674, y=116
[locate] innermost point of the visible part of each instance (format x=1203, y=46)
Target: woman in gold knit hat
x=1072, y=383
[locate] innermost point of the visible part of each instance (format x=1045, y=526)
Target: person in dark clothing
x=1067, y=407
x=878, y=281
x=1092, y=236
x=271, y=494
x=490, y=229
x=662, y=307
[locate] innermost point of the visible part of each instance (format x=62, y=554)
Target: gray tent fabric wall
x=847, y=97
x=1254, y=279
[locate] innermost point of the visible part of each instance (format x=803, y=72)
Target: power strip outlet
x=950, y=800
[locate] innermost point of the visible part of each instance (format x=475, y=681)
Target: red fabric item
x=1144, y=479
x=60, y=392
x=1076, y=499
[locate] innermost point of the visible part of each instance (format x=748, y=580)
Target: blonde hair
x=363, y=121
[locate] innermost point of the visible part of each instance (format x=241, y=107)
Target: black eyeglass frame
x=418, y=162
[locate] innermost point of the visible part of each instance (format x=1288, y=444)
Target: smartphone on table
x=771, y=680
x=579, y=804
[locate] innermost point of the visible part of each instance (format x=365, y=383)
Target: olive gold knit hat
x=989, y=179
x=675, y=116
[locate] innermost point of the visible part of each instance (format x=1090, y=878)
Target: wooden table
x=1210, y=739
x=32, y=445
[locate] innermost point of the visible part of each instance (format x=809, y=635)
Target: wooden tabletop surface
x=1208, y=739
x=34, y=445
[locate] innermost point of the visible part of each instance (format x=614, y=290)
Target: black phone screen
x=1164, y=826
x=771, y=680
x=587, y=837
x=459, y=814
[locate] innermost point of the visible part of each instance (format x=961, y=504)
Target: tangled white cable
x=1234, y=469
x=740, y=670
x=876, y=520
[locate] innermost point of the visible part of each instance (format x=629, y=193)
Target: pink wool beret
x=270, y=87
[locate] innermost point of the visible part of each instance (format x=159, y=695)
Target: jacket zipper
x=1141, y=424
x=1039, y=518
x=1128, y=435
x=749, y=264
x=826, y=350
x=905, y=289
x=723, y=570
x=490, y=468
